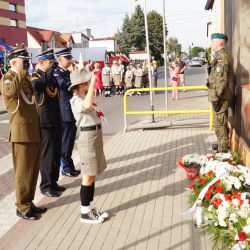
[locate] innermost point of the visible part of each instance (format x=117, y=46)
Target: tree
x=155, y=22
x=196, y=51
x=125, y=40
x=137, y=31
x=173, y=47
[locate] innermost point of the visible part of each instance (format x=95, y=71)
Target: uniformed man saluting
x=218, y=90
x=62, y=75
x=47, y=97
x=25, y=132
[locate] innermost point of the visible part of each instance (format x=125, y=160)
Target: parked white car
x=195, y=63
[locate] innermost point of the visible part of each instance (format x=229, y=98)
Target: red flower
x=208, y=195
x=218, y=182
x=237, y=196
x=211, y=188
x=210, y=173
x=180, y=163
x=203, y=181
x=196, y=178
x=218, y=203
x=227, y=197
x=219, y=189
x=192, y=186
x=242, y=236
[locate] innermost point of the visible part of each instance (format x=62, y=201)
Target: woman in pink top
x=174, y=78
x=98, y=74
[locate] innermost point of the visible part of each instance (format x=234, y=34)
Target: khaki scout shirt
x=17, y=95
x=219, y=78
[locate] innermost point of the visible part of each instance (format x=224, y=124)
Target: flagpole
x=165, y=54
x=149, y=62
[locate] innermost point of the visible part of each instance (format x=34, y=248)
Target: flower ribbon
x=202, y=193
x=100, y=114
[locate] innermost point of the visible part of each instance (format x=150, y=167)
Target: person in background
x=155, y=73
x=116, y=72
x=62, y=75
x=90, y=142
x=25, y=132
x=138, y=78
x=129, y=79
x=106, y=79
x=183, y=68
x=46, y=91
x=89, y=66
x=98, y=85
x=174, y=78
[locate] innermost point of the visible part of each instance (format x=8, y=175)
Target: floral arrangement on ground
x=222, y=184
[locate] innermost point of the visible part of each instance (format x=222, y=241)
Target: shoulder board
x=34, y=76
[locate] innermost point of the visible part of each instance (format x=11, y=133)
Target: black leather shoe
x=52, y=193
x=28, y=216
x=215, y=146
x=39, y=210
x=70, y=173
x=77, y=171
x=59, y=188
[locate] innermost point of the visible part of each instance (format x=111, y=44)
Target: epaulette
x=34, y=76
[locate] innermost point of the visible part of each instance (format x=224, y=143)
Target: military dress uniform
x=47, y=98
x=68, y=122
x=219, y=94
x=25, y=134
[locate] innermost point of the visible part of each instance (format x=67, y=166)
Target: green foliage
x=173, y=48
x=155, y=26
x=137, y=29
x=132, y=33
x=196, y=51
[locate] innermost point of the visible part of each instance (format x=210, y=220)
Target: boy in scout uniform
x=47, y=98
x=218, y=90
x=106, y=81
x=25, y=132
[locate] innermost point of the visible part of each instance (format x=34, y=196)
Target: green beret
x=219, y=36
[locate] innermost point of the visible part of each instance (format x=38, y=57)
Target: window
x=13, y=23
x=12, y=7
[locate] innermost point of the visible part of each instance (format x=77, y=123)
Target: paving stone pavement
x=141, y=189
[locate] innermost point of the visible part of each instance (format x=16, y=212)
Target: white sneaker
x=91, y=218
x=104, y=215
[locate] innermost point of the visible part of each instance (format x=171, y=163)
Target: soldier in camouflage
x=219, y=93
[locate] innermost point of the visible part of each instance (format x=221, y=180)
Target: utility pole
x=165, y=54
x=149, y=62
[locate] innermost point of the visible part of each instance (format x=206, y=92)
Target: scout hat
x=49, y=54
x=65, y=53
x=79, y=76
x=19, y=52
x=219, y=36
x=106, y=62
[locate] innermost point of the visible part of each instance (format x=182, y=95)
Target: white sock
x=85, y=209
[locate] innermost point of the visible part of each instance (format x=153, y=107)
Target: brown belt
x=99, y=126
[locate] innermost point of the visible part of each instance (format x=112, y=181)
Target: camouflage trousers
x=221, y=127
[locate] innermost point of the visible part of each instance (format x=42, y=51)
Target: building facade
x=236, y=24
x=81, y=40
x=109, y=43
x=13, y=22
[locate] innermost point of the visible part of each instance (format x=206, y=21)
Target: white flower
x=222, y=223
x=235, y=202
x=233, y=217
x=246, y=229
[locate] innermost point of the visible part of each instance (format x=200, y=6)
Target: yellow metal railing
x=202, y=111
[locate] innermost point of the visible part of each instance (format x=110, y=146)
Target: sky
x=186, y=19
